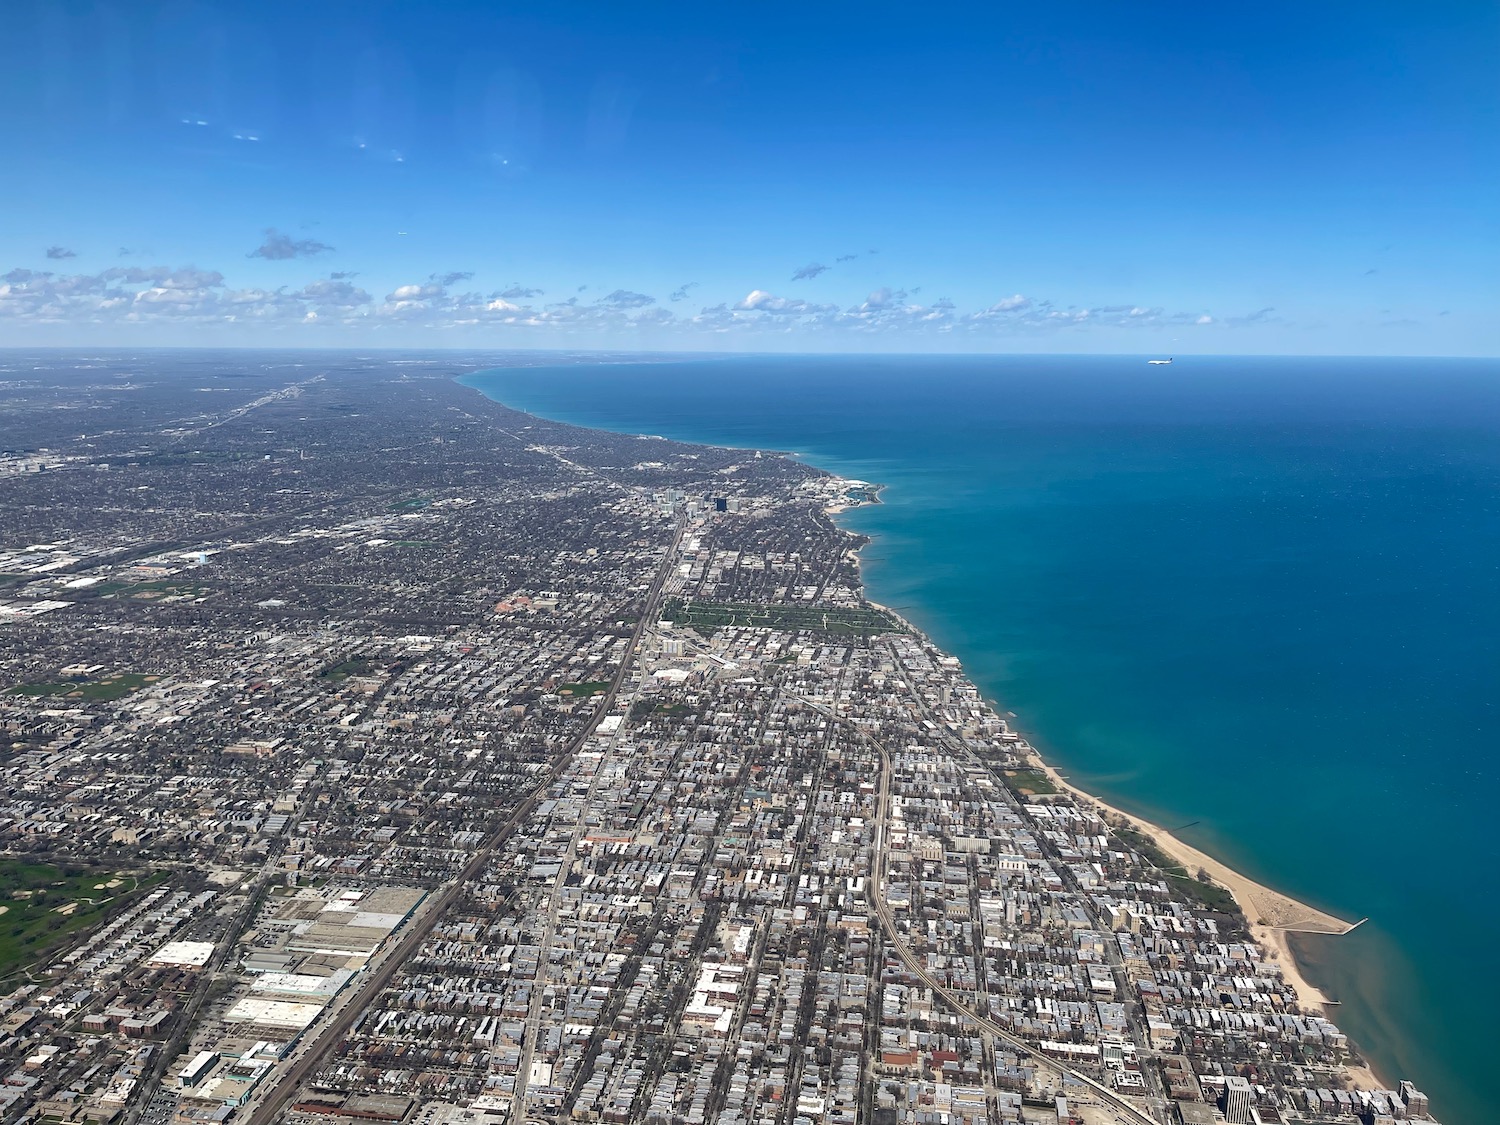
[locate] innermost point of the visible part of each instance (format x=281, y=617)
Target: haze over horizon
x=1080, y=179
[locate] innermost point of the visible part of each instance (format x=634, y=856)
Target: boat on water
x=1159, y=362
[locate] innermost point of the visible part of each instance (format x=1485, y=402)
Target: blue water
x=1262, y=595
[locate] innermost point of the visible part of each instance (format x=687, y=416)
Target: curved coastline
x=1270, y=914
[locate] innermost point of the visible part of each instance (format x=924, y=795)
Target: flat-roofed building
x=181, y=955
x=274, y=1015
x=197, y=1069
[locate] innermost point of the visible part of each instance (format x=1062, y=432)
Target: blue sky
x=1065, y=177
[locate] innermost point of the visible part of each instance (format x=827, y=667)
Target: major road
x=375, y=978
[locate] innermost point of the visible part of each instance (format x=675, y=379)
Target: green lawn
x=353, y=666
x=110, y=687
x=585, y=689
x=1032, y=782
x=156, y=587
x=1211, y=895
x=1180, y=879
x=167, y=586
x=643, y=707
x=44, y=905
x=104, y=589
x=708, y=616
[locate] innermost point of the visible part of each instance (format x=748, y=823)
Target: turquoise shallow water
x=1258, y=595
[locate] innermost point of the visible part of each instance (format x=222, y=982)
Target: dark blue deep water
x=1262, y=595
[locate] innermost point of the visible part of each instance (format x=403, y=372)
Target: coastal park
x=1030, y=783
x=706, y=617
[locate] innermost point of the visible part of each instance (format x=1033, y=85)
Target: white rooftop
x=184, y=954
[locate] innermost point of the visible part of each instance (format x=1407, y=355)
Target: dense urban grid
x=374, y=752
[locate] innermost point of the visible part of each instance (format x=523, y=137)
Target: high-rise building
x=1416, y=1101
x=1238, y=1098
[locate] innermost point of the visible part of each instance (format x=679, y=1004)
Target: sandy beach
x=1271, y=914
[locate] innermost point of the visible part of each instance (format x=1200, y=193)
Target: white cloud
x=189, y=295
x=883, y=298
x=334, y=294
x=758, y=300
x=416, y=292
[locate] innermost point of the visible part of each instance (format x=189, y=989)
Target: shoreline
x=1270, y=914
x=1265, y=909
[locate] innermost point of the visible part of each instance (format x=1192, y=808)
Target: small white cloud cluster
x=889, y=310
x=131, y=294
x=443, y=301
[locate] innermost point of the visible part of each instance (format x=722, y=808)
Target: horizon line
x=693, y=353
